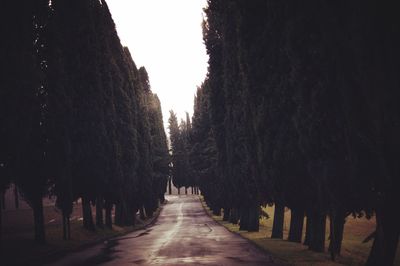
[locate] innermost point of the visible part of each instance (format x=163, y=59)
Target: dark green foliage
x=23, y=94
x=203, y=154
x=303, y=113
x=78, y=118
x=180, y=162
x=145, y=170
x=161, y=157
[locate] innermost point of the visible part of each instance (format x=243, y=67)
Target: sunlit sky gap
x=166, y=38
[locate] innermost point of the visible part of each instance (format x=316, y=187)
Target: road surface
x=183, y=235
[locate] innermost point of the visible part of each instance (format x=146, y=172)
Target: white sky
x=165, y=36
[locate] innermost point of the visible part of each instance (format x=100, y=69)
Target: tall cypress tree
x=148, y=197
x=203, y=153
x=59, y=116
x=177, y=148
x=161, y=156
x=23, y=135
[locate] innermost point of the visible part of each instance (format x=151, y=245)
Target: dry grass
x=18, y=247
x=354, y=252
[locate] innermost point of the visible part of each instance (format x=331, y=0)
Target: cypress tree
x=177, y=148
x=301, y=131
x=24, y=92
x=59, y=116
x=161, y=156
x=148, y=197
x=203, y=153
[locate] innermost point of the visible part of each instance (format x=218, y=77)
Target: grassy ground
x=354, y=252
x=18, y=247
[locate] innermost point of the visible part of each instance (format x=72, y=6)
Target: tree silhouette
x=292, y=100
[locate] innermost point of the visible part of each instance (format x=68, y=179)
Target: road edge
x=59, y=254
x=273, y=258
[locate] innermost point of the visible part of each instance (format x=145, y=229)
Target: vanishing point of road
x=182, y=235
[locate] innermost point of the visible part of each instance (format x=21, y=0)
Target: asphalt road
x=183, y=235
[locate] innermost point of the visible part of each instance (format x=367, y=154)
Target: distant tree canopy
x=179, y=137
x=299, y=109
x=78, y=119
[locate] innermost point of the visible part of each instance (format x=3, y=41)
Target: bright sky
x=165, y=36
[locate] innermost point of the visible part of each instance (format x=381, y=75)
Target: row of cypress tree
x=181, y=169
x=300, y=110
x=78, y=118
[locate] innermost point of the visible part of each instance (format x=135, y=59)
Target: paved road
x=183, y=235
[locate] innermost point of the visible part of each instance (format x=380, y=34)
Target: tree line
x=78, y=118
x=180, y=135
x=300, y=109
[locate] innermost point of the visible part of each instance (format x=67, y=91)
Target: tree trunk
x=87, y=214
x=227, y=212
x=16, y=197
x=141, y=213
x=38, y=219
x=192, y=190
x=337, y=221
x=254, y=218
x=309, y=225
x=3, y=200
x=99, y=213
x=233, y=216
x=169, y=186
x=279, y=216
x=216, y=210
x=317, y=233
x=118, y=214
x=244, y=219
x=1, y=226
x=130, y=216
x=1, y=215
x=162, y=198
x=64, y=220
x=66, y=226
x=185, y=190
x=385, y=243
x=179, y=190
x=108, y=217
x=134, y=216
x=124, y=214
x=150, y=211
x=296, y=225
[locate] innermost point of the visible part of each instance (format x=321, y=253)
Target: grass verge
x=354, y=252
x=20, y=249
